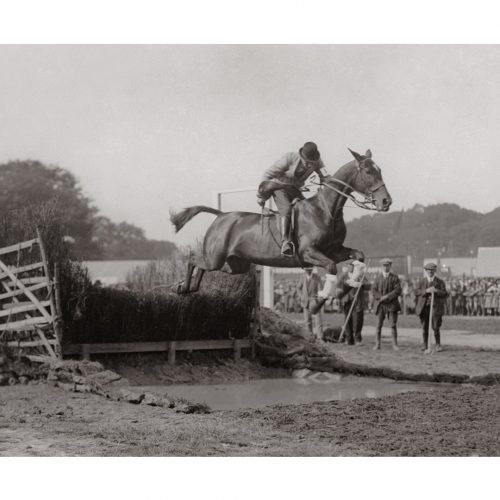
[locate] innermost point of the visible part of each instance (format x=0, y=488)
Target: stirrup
x=288, y=249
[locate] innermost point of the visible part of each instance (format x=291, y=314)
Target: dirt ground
x=459, y=420
x=473, y=353
x=455, y=360
x=41, y=420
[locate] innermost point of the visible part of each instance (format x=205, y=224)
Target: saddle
x=267, y=212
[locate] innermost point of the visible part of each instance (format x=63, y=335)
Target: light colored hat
x=386, y=261
x=430, y=266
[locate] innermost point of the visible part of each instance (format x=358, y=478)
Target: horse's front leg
x=346, y=253
x=315, y=257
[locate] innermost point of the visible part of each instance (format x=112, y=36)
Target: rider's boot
x=287, y=249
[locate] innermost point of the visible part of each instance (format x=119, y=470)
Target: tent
x=488, y=262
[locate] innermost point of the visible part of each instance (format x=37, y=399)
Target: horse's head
x=368, y=180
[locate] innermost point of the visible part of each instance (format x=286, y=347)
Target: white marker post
x=428, y=350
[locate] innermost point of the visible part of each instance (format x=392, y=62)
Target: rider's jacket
x=292, y=170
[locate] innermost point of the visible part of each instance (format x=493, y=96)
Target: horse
x=236, y=240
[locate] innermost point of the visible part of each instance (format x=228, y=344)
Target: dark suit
x=346, y=294
x=391, y=288
x=307, y=289
x=424, y=304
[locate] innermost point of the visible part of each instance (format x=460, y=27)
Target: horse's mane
x=349, y=165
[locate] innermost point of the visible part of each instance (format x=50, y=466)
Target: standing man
x=348, y=285
x=386, y=292
x=283, y=181
x=427, y=286
x=308, y=287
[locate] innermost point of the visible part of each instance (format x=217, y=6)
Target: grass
x=177, y=436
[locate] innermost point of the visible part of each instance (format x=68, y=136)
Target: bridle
x=365, y=204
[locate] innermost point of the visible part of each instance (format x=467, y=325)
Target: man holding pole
x=350, y=290
x=431, y=294
x=386, y=291
x=307, y=288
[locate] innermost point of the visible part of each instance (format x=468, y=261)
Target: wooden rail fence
x=35, y=321
x=171, y=347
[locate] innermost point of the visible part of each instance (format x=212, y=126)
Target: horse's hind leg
x=199, y=276
x=185, y=286
x=194, y=274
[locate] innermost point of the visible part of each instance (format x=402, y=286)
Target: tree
x=126, y=241
x=25, y=184
x=31, y=183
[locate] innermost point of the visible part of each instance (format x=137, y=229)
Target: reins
x=366, y=204
x=361, y=204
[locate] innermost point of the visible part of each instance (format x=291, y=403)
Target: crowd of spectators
x=467, y=297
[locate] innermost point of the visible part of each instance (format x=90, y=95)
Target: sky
x=152, y=128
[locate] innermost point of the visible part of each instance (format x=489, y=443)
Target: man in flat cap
x=427, y=286
x=283, y=181
x=386, y=290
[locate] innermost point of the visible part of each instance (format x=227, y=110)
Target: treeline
x=28, y=183
x=444, y=229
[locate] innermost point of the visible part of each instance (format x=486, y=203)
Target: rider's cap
x=430, y=266
x=386, y=261
x=309, y=152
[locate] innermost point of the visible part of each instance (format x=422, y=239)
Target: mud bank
x=294, y=350
x=319, y=358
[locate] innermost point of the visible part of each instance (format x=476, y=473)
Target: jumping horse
x=236, y=240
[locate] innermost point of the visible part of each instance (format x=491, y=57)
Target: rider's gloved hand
x=261, y=201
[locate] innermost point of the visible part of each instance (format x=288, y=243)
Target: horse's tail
x=180, y=219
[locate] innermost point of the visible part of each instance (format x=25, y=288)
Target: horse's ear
x=357, y=156
x=368, y=153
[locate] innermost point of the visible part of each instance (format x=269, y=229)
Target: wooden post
x=171, y=353
x=267, y=280
x=50, y=289
x=236, y=350
x=256, y=326
x=86, y=352
x=59, y=325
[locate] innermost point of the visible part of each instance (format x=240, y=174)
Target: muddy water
x=313, y=388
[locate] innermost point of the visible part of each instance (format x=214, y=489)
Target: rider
x=284, y=180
